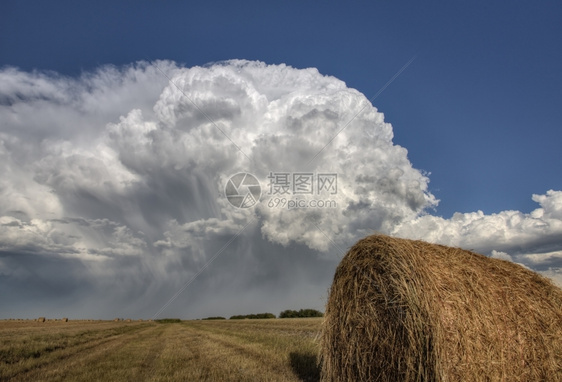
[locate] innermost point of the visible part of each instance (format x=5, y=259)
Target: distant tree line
x=284, y=314
x=253, y=316
x=300, y=313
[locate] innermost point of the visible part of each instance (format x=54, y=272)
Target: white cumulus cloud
x=533, y=239
x=118, y=176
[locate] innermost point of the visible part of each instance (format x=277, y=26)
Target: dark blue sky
x=480, y=107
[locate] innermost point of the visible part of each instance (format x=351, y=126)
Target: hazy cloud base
x=112, y=191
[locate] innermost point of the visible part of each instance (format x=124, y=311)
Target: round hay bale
x=41, y=319
x=65, y=319
x=404, y=310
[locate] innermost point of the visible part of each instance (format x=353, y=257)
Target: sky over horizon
x=115, y=157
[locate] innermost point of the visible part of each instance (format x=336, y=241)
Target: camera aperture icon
x=243, y=190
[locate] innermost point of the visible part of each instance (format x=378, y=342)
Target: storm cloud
x=112, y=195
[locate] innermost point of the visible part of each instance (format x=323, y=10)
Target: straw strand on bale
x=405, y=310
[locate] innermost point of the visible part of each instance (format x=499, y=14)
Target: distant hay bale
x=41, y=319
x=128, y=320
x=65, y=319
x=404, y=310
x=116, y=319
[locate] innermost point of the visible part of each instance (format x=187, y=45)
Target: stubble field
x=222, y=350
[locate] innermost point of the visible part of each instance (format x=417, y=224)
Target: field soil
x=222, y=350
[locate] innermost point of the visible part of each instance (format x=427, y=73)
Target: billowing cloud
x=533, y=239
x=118, y=176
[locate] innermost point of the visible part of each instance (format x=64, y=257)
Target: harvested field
x=244, y=350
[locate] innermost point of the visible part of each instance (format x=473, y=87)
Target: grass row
x=247, y=350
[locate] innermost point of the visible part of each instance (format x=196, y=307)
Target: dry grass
x=246, y=350
x=402, y=310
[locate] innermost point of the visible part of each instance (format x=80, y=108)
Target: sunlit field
x=225, y=350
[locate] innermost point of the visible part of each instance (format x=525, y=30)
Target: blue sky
x=112, y=181
x=479, y=108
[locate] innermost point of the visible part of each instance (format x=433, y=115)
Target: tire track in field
x=253, y=350
x=60, y=355
x=71, y=357
x=204, y=359
x=256, y=357
x=147, y=367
